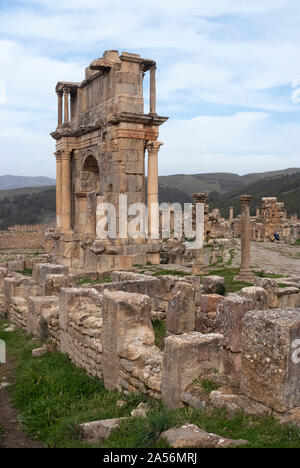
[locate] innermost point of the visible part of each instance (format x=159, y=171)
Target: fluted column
x=245, y=273
x=153, y=221
x=66, y=106
x=153, y=89
x=231, y=214
x=60, y=108
x=58, y=191
x=66, y=191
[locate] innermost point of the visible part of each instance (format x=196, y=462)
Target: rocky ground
x=274, y=258
x=11, y=435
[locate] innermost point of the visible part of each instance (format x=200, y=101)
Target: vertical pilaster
x=231, y=214
x=66, y=191
x=58, y=191
x=153, y=221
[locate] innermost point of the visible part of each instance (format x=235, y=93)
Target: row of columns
x=63, y=97
x=63, y=191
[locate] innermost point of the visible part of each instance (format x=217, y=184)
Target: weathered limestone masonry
x=270, y=218
x=22, y=240
x=106, y=329
x=101, y=139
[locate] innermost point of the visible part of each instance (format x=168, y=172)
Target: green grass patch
x=170, y=272
x=282, y=285
x=232, y=255
x=27, y=272
x=297, y=242
x=209, y=386
x=82, y=281
x=160, y=332
x=262, y=274
x=229, y=274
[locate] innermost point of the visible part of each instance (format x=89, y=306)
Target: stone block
x=188, y=357
x=96, y=431
x=206, y=314
x=127, y=326
x=76, y=299
x=271, y=358
x=213, y=285
x=110, y=366
x=270, y=286
x=41, y=270
x=238, y=403
x=53, y=283
x=191, y=436
x=38, y=306
x=229, y=321
x=258, y=295
x=181, y=313
x=232, y=363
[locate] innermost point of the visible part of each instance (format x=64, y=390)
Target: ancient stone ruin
x=84, y=299
x=102, y=137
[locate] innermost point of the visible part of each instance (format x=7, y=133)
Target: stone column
x=245, y=273
x=231, y=214
x=257, y=212
x=58, y=191
x=153, y=148
x=66, y=106
x=153, y=89
x=66, y=191
x=60, y=108
x=198, y=264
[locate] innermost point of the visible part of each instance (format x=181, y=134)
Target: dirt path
x=273, y=258
x=14, y=436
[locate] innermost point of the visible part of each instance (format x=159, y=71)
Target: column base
x=245, y=276
x=199, y=269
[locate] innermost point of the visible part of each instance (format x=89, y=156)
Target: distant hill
x=27, y=208
x=286, y=188
x=217, y=182
x=36, y=204
x=8, y=182
x=23, y=191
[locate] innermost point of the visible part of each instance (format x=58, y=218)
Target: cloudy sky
x=228, y=77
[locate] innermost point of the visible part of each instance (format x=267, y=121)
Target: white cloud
x=225, y=53
x=2, y=92
x=243, y=142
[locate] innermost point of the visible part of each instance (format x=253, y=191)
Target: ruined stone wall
x=108, y=332
x=24, y=240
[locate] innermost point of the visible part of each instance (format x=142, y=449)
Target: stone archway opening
x=90, y=176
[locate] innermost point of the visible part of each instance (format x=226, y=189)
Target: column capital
x=66, y=154
x=57, y=154
x=246, y=199
x=66, y=90
x=200, y=197
x=153, y=146
x=59, y=93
